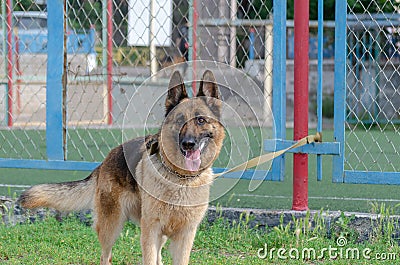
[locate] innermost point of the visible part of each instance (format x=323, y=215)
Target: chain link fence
x=148, y=36
x=373, y=95
x=107, y=63
x=110, y=95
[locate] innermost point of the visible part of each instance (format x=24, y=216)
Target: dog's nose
x=188, y=143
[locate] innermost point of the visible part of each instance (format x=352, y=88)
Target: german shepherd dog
x=160, y=181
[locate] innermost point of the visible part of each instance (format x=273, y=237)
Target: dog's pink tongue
x=192, y=160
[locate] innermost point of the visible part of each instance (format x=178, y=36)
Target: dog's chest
x=162, y=185
x=175, y=219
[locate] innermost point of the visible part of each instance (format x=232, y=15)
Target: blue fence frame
x=55, y=129
x=340, y=88
x=336, y=148
x=279, y=95
x=339, y=172
x=279, y=84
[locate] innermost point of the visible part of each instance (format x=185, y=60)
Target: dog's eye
x=200, y=120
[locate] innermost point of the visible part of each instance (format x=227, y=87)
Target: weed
x=320, y=227
x=241, y=227
x=3, y=210
x=6, y=211
x=384, y=226
x=282, y=231
x=230, y=199
x=218, y=210
x=342, y=227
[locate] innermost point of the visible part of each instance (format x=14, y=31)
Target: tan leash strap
x=269, y=156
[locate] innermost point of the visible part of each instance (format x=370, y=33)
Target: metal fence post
x=268, y=69
x=279, y=83
x=320, y=78
x=9, y=52
x=340, y=88
x=233, y=32
x=251, y=38
x=109, y=60
x=152, y=39
x=55, y=83
x=300, y=129
x=192, y=51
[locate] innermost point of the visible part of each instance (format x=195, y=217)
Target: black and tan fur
x=145, y=180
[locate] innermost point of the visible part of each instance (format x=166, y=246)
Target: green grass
x=71, y=242
x=93, y=145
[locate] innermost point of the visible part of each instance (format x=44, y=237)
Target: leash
x=269, y=156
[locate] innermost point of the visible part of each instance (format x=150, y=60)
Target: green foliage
x=342, y=228
x=376, y=6
x=25, y=5
x=328, y=107
x=384, y=226
x=84, y=14
x=261, y=9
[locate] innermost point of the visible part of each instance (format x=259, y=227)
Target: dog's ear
x=176, y=92
x=208, y=86
x=152, y=143
x=209, y=90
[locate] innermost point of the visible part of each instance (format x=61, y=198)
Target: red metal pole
x=109, y=60
x=300, y=161
x=9, y=63
x=18, y=72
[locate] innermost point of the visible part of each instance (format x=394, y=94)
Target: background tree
x=82, y=14
x=261, y=9
x=26, y=5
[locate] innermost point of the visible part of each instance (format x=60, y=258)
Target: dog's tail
x=65, y=197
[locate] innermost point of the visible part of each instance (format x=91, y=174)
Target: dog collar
x=170, y=170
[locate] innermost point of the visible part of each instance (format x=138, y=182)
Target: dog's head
x=191, y=135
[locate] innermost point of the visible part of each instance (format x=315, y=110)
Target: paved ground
x=87, y=94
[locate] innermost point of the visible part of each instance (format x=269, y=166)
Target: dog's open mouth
x=192, y=160
x=193, y=157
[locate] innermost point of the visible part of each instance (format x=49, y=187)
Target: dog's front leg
x=161, y=245
x=151, y=242
x=181, y=245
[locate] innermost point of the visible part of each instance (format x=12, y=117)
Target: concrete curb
x=362, y=223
